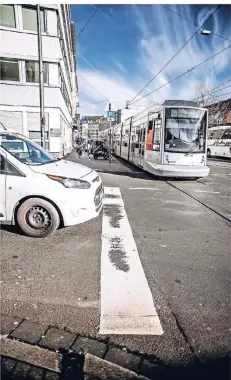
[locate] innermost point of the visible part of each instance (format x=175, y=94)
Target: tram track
x=130, y=169
x=224, y=217
x=215, y=188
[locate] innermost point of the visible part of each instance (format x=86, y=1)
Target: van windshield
x=25, y=150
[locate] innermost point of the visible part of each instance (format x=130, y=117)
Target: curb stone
x=49, y=353
x=47, y=346
x=21, y=361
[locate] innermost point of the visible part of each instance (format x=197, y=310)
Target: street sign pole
x=41, y=86
x=109, y=107
x=110, y=143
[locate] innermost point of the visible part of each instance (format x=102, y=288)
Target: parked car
x=39, y=192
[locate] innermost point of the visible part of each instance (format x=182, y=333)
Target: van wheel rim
x=38, y=218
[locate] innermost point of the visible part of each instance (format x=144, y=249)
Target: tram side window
x=156, y=135
x=125, y=138
x=144, y=135
x=215, y=134
x=226, y=135
x=137, y=138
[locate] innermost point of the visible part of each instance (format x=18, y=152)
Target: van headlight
x=70, y=182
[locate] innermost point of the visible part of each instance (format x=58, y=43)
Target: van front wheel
x=37, y=218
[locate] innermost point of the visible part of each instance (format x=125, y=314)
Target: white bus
x=167, y=140
x=219, y=141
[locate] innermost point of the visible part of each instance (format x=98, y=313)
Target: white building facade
x=19, y=73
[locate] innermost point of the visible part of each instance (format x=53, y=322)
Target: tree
x=219, y=110
x=205, y=95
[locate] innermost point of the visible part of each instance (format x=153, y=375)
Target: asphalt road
x=182, y=235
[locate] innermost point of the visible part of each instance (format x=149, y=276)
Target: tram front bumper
x=180, y=171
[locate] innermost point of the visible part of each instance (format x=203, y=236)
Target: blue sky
x=124, y=46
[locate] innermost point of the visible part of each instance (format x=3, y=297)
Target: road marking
x=126, y=301
x=144, y=188
x=205, y=191
x=218, y=174
x=219, y=164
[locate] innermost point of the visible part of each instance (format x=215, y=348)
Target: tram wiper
x=191, y=149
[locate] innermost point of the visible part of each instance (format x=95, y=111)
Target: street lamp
x=205, y=32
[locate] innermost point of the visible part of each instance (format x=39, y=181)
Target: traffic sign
x=113, y=107
x=111, y=115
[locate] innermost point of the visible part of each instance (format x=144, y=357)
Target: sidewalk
x=33, y=351
x=104, y=166
x=38, y=352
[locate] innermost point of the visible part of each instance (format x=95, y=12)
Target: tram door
x=141, y=145
x=133, y=144
x=156, y=140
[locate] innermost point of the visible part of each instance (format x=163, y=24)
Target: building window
x=7, y=16
x=62, y=46
x=29, y=16
x=65, y=93
x=9, y=69
x=36, y=135
x=32, y=72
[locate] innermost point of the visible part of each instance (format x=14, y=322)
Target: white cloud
x=156, y=46
x=113, y=87
x=108, y=17
x=119, y=65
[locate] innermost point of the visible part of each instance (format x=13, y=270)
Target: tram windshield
x=185, y=130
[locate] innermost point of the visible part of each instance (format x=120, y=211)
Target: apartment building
x=90, y=126
x=19, y=73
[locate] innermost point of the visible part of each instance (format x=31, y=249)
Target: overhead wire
x=91, y=86
x=226, y=93
x=215, y=34
x=100, y=101
x=88, y=22
x=219, y=89
x=179, y=76
x=212, y=90
x=222, y=84
x=208, y=18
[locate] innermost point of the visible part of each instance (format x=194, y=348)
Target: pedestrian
x=89, y=148
x=79, y=145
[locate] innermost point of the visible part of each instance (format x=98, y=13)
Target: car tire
x=37, y=217
x=208, y=153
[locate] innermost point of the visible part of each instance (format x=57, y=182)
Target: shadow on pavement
x=72, y=369
x=12, y=229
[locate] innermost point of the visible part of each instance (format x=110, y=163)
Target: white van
x=219, y=141
x=39, y=192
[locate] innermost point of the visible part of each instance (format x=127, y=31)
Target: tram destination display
x=185, y=113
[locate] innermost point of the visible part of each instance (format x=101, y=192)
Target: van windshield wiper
x=48, y=162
